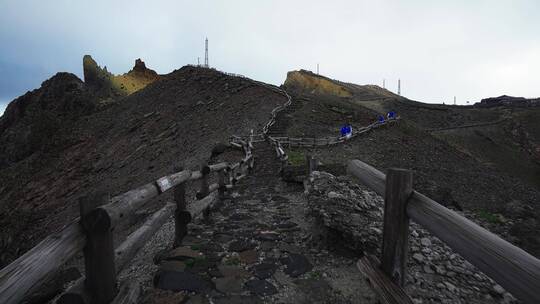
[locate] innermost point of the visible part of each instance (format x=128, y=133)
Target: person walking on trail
x=391, y=115
x=381, y=119
x=346, y=131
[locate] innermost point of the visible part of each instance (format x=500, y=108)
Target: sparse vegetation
x=490, y=217
x=315, y=275
x=232, y=261
x=190, y=263
x=296, y=158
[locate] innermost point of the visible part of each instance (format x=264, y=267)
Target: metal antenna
x=198, y=61
x=399, y=86
x=454, y=100
x=206, y=52
x=317, y=69
x=384, y=83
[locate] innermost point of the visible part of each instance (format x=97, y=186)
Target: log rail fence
x=514, y=269
x=91, y=233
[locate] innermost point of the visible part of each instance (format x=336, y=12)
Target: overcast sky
x=470, y=49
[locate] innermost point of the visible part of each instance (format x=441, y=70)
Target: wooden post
x=222, y=185
x=396, y=224
x=181, y=216
x=230, y=173
x=98, y=252
x=310, y=164
x=205, y=170
x=251, y=164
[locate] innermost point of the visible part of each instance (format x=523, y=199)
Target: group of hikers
x=346, y=129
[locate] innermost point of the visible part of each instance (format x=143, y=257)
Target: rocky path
x=258, y=247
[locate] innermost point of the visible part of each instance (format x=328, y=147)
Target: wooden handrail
x=124, y=252
x=126, y=204
x=388, y=292
x=513, y=268
x=25, y=275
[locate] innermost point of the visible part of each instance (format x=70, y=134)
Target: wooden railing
x=93, y=233
x=511, y=267
x=328, y=141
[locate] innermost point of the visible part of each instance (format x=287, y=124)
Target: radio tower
x=206, y=52
x=399, y=86
x=384, y=83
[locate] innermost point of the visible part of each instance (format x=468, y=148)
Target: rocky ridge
x=41, y=119
x=107, y=84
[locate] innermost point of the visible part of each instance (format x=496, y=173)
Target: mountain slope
x=177, y=118
x=456, y=172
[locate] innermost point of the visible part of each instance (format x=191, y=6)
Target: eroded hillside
x=176, y=119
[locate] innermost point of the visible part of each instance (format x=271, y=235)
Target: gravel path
x=258, y=247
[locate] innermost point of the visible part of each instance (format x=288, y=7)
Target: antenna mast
x=317, y=69
x=399, y=86
x=206, y=52
x=384, y=83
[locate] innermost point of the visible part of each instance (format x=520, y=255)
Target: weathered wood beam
x=396, y=225
x=170, y=181
x=98, y=252
x=138, y=238
x=129, y=293
x=25, y=275
x=388, y=291
x=203, y=190
x=181, y=218
x=198, y=207
x=213, y=187
x=218, y=167
x=195, y=175
x=124, y=253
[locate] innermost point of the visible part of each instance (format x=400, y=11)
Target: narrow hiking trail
x=261, y=246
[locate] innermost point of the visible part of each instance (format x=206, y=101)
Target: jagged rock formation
x=136, y=79
x=308, y=82
x=41, y=119
x=314, y=83
x=99, y=79
x=108, y=84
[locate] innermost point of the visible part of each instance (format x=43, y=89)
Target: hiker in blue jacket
x=346, y=131
x=343, y=130
x=391, y=115
x=381, y=119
